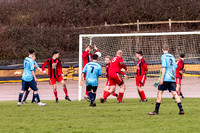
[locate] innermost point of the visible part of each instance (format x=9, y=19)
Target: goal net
x=150, y=44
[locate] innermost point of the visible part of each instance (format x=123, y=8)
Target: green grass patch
x=78, y=117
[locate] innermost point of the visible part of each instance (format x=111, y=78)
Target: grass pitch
x=78, y=117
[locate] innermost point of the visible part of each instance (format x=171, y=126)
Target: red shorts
x=52, y=81
x=115, y=79
x=178, y=81
x=140, y=80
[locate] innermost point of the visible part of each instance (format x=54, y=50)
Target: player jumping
x=93, y=71
x=115, y=78
x=141, y=75
x=55, y=73
x=107, y=62
x=87, y=57
x=180, y=74
x=29, y=79
x=168, y=80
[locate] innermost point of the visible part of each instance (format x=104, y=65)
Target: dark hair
x=55, y=52
x=108, y=57
x=94, y=56
x=139, y=52
x=182, y=55
x=88, y=46
x=165, y=47
x=31, y=51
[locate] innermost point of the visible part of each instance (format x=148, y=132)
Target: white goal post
x=149, y=43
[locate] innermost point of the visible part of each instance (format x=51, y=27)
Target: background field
x=78, y=117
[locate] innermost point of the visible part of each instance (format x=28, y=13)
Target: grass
x=78, y=117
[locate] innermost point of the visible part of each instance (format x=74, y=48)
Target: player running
x=93, y=71
x=141, y=75
x=115, y=78
x=27, y=91
x=107, y=62
x=168, y=80
x=87, y=57
x=55, y=74
x=180, y=74
x=29, y=79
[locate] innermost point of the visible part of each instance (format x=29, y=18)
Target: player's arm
x=60, y=67
x=145, y=67
x=95, y=49
x=37, y=66
x=123, y=66
x=44, y=64
x=163, y=61
x=32, y=70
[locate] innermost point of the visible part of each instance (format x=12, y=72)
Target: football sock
x=26, y=95
x=180, y=106
x=94, y=95
x=142, y=95
x=107, y=94
x=177, y=93
x=37, y=97
x=65, y=90
x=20, y=97
x=91, y=96
x=33, y=99
x=120, y=96
x=104, y=92
x=181, y=93
x=55, y=93
x=86, y=93
x=115, y=94
x=139, y=94
x=157, y=107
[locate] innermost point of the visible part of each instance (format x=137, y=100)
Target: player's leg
x=52, y=81
x=140, y=81
x=172, y=87
x=33, y=86
x=90, y=94
x=64, y=89
x=94, y=89
x=23, y=89
x=86, y=97
x=33, y=99
x=158, y=102
x=26, y=95
x=108, y=93
x=105, y=90
x=121, y=93
x=179, y=88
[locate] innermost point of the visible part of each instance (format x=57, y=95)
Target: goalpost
x=150, y=44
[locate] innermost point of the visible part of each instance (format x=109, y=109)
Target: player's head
x=31, y=52
x=88, y=47
x=33, y=57
x=95, y=57
x=107, y=60
x=165, y=48
x=182, y=55
x=56, y=54
x=138, y=54
x=119, y=53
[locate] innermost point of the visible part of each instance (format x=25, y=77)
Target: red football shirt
x=87, y=57
x=116, y=64
x=54, y=67
x=180, y=66
x=141, y=67
x=107, y=71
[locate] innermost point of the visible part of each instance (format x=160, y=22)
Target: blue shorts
x=171, y=86
x=32, y=84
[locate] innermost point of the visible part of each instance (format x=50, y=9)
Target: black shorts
x=91, y=88
x=171, y=86
x=32, y=84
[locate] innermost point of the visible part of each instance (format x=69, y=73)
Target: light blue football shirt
x=36, y=66
x=93, y=71
x=28, y=67
x=169, y=62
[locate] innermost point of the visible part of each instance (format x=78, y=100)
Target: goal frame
x=81, y=36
